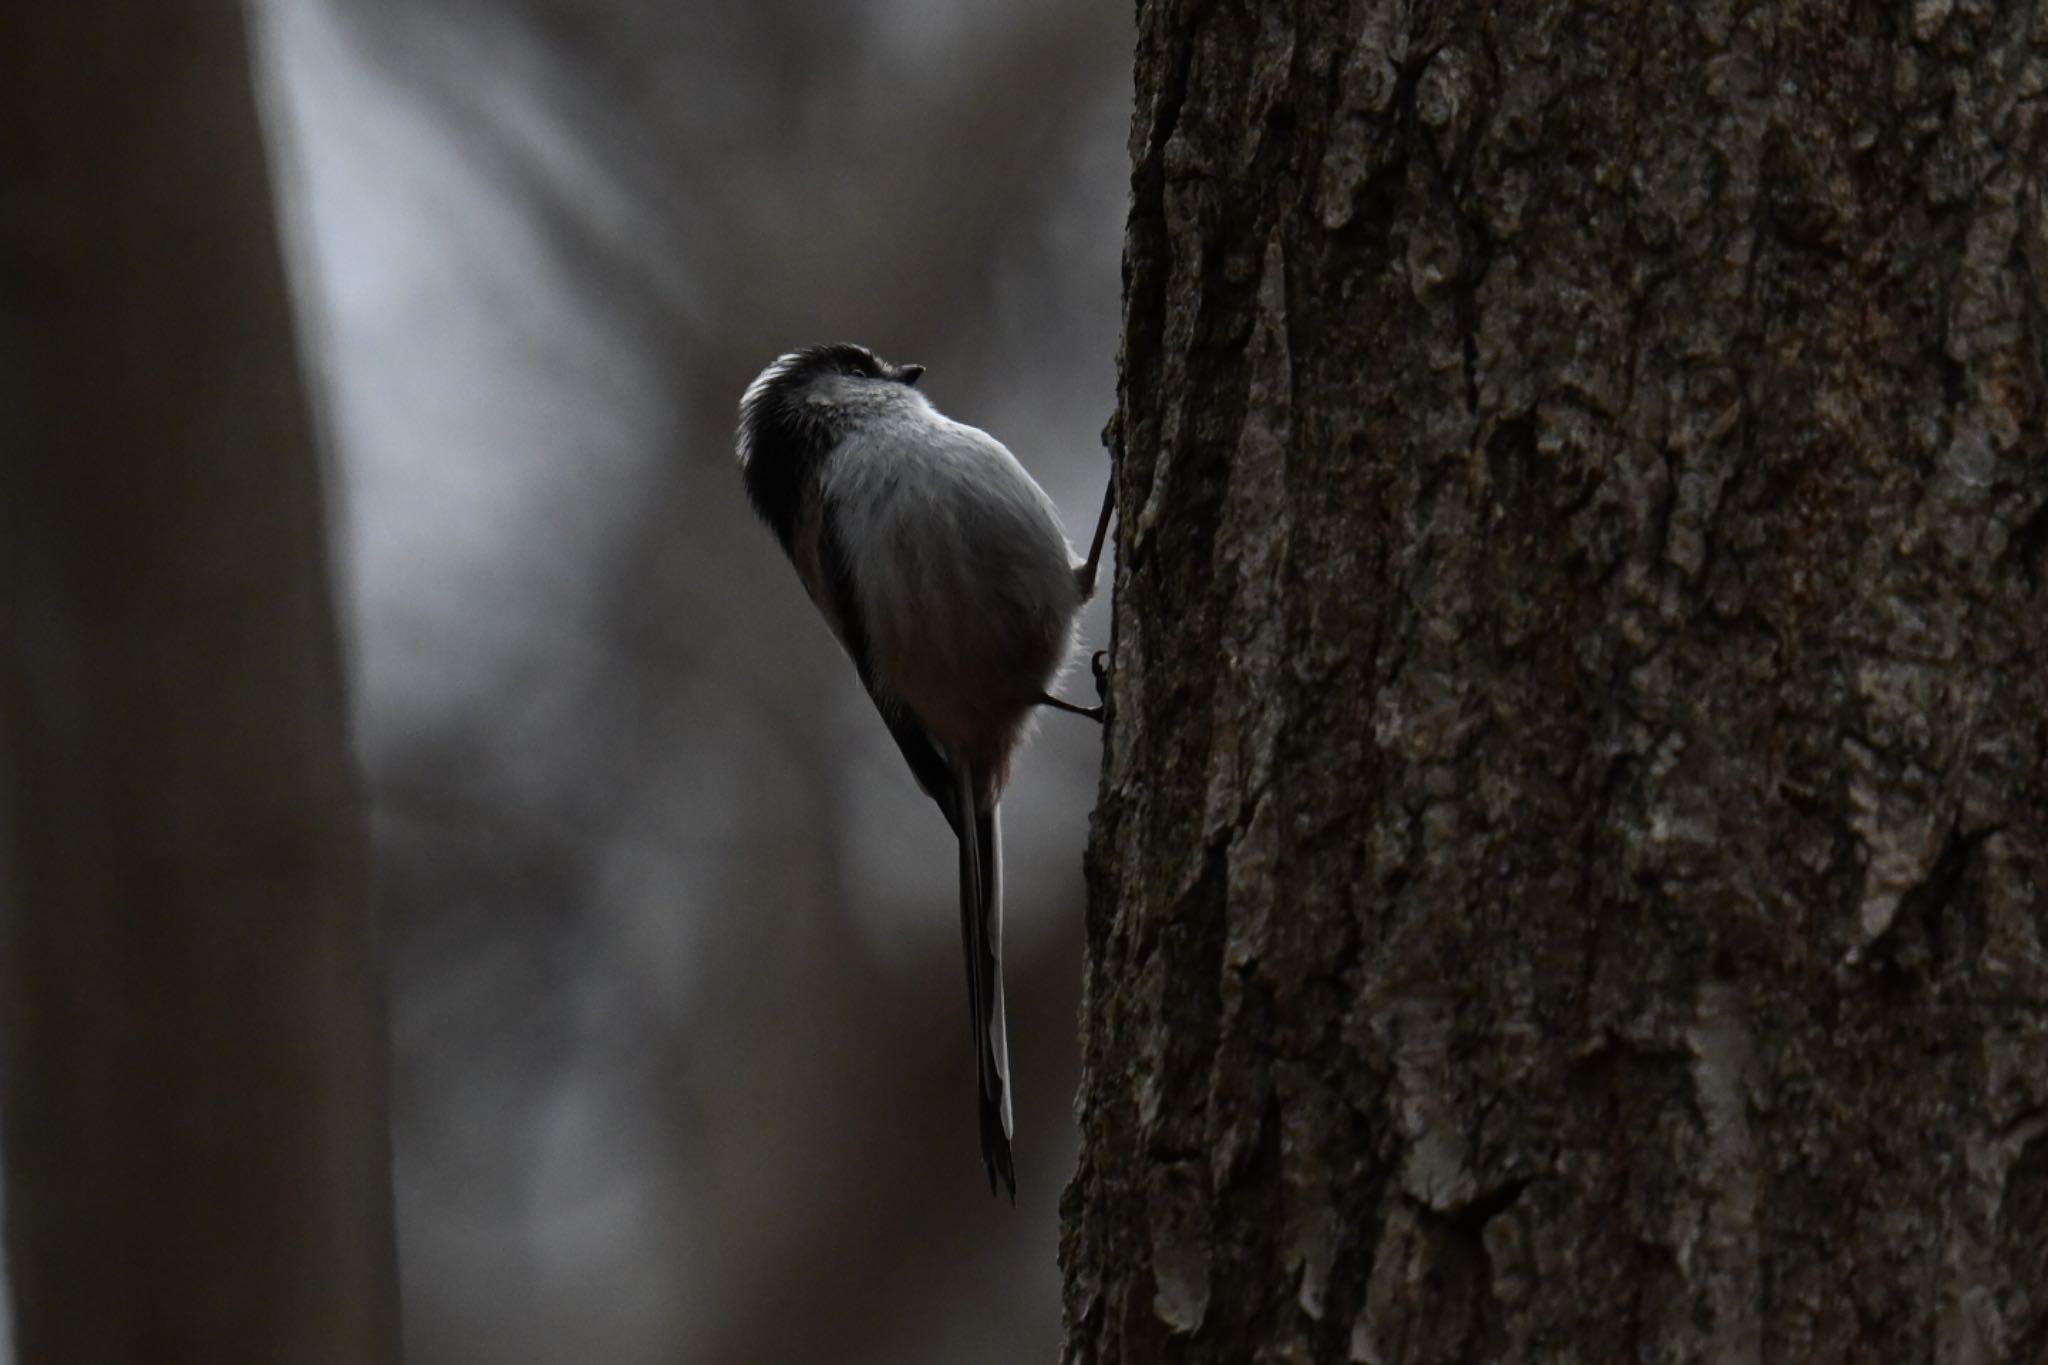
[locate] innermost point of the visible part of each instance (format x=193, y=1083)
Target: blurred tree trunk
x=195, y=1148
x=1570, y=880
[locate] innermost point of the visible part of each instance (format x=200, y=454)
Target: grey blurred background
x=681, y=1067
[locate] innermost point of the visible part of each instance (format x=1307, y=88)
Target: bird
x=942, y=569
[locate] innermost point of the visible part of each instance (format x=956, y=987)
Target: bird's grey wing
x=842, y=607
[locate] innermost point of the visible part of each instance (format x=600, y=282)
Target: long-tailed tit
x=941, y=567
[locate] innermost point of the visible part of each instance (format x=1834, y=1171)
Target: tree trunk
x=1569, y=877
x=195, y=1147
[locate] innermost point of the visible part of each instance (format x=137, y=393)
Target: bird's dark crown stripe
x=786, y=439
x=780, y=458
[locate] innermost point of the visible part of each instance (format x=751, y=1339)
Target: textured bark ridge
x=1570, y=876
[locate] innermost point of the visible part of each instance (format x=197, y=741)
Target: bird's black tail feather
x=981, y=931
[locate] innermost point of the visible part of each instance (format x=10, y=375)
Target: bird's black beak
x=909, y=374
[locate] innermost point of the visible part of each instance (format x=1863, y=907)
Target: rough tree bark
x=195, y=1149
x=1569, y=883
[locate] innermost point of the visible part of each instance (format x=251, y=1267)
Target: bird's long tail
x=981, y=930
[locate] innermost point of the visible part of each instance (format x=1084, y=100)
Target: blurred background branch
x=195, y=1133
